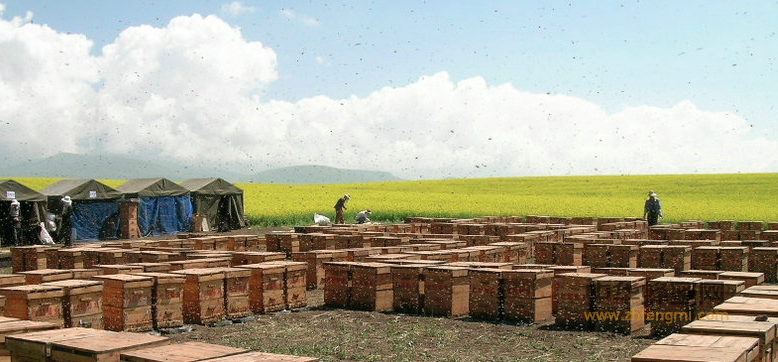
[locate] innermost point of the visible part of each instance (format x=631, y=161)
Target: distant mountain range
x=119, y=167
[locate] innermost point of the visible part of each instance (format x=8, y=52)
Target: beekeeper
x=339, y=207
x=362, y=216
x=15, y=217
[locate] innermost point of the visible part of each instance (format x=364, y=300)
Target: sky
x=421, y=89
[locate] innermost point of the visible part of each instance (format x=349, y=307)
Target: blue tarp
x=164, y=215
x=96, y=220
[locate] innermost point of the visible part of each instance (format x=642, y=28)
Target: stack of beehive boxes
x=619, y=303
x=575, y=299
x=673, y=303
x=446, y=291
x=127, y=302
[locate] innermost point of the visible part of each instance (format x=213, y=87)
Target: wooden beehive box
x=690, y=347
x=446, y=291
x=527, y=294
x=749, y=306
x=181, y=352
x=337, y=284
x=110, y=256
x=408, y=288
x=747, y=326
x=371, y=287
x=254, y=257
x=765, y=260
x=575, y=296
x=622, y=295
x=34, y=302
x=295, y=285
x=203, y=295
x=36, y=346
x=46, y=275
x=236, y=292
x=486, y=293
x=14, y=326
x=112, y=269
x=167, y=299
x=153, y=267
x=12, y=280
x=86, y=273
x=751, y=279
x=126, y=302
x=188, y=264
x=103, y=348
x=82, y=302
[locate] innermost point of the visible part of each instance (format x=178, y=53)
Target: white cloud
x=188, y=91
x=303, y=19
x=237, y=8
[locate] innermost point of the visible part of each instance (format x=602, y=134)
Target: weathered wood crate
x=316, y=259
x=765, y=260
x=167, y=299
x=563, y=269
x=487, y=291
x=736, y=325
x=106, y=347
x=715, y=292
x=751, y=279
x=127, y=301
x=34, y=302
x=692, y=347
x=371, y=287
x=12, y=280
x=46, y=275
x=14, y=326
x=36, y=346
x=266, y=287
x=408, y=288
x=734, y=259
x=113, y=269
x=527, y=295
x=446, y=291
x=748, y=306
x=181, y=352
x=575, y=298
x=672, y=303
x=295, y=285
x=82, y=302
x=203, y=295
x=621, y=295
x=236, y=292
x=337, y=284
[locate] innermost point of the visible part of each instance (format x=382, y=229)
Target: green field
x=684, y=197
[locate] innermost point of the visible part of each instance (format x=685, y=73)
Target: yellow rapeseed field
x=684, y=197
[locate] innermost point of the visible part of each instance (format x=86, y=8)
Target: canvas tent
x=164, y=207
x=95, y=207
x=33, y=210
x=220, y=201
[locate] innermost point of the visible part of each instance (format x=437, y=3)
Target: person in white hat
x=15, y=214
x=362, y=216
x=652, y=211
x=339, y=207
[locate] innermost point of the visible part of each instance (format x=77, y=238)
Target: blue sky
x=630, y=61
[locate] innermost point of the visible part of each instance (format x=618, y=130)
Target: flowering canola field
x=684, y=197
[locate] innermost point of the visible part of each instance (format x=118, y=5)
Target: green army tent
x=220, y=201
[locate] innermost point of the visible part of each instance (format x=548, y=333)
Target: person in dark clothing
x=339, y=207
x=66, y=222
x=652, y=211
x=15, y=215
